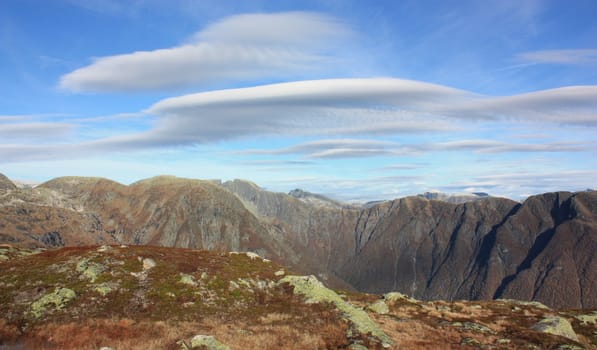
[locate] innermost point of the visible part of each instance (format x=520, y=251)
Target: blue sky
x=358, y=100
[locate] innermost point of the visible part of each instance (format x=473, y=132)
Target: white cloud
x=359, y=148
x=236, y=48
x=574, y=56
x=346, y=107
x=360, y=106
x=333, y=106
x=34, y=130
x=565, y=105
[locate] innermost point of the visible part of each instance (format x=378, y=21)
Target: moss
x=316, y=292
x=57, y=300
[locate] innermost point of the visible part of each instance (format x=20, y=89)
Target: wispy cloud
x=574, y=56
x=236, y=48
x=359, y=148
x=34, y=130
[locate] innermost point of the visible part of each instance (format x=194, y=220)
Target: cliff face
x=542, y=249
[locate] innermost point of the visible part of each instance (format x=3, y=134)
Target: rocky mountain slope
x=148, y=297
x=318, y=200
x=542, y=249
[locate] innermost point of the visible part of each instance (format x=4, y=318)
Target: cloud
x=565, y=105
x=236, y=48
x=513, y=184
x=34, y=130
x=575, y=56
x=333, y=108
x=360, y=148
x=361, y=106
x=493, y=146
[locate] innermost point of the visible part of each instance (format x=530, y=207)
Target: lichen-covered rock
x=148, y=264
x=207, y=341
x=569, y=347
x=556, y=325
x=470, y=342
x=394, y=297
x=379, y=307
x=187, y=279
x=316, y=292
x=476, y=327
x=588, y=318
x=103, y=248
x=90, y=270
x=526, y=303
x=55, y=300
x=104, y=288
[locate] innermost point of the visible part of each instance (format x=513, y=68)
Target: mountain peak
x=315, y=199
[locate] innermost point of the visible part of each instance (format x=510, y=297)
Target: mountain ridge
x=540, y=249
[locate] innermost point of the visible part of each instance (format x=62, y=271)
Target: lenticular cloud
x=236, y=48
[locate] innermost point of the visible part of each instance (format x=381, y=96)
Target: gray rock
x=208, y=341
x=557, y=326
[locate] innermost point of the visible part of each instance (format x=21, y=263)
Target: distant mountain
x=541, y=249
x=454, y=198
x=318, y=200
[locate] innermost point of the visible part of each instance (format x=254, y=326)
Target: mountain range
x=542, y=249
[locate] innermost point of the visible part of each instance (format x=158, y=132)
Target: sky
x=357, y=100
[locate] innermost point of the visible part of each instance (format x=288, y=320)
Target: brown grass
x=277, y=331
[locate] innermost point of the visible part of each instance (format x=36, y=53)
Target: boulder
x=557, y=326
x=207, y=341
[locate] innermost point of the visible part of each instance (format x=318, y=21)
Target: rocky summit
x=148, y=297
x=542, y=249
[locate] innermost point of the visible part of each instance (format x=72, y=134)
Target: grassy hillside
x=141, y=297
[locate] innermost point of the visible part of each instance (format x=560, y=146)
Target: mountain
x=317, y=199
x=541, y=249
x=149, y=297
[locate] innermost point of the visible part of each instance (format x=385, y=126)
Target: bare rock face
x=540, y=250
x=426, y=249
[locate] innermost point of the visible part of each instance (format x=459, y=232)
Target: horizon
x=32, y=184
x=353, y=100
